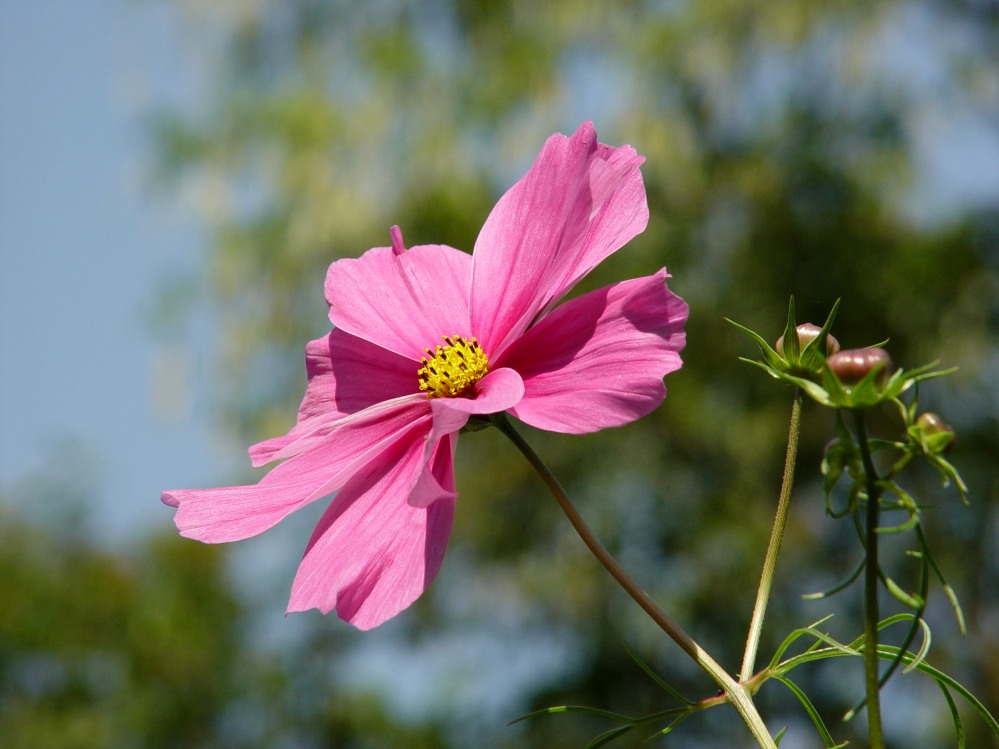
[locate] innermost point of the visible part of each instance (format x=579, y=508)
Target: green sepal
x=869, y=392
x=792, y=362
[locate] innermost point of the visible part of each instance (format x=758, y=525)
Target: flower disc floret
x=452, y=370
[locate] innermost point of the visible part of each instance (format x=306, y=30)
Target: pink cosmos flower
x=425, y=338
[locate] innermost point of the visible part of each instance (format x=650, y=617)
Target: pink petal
x=599, y=360
x=237, y=512
x=401, y=302
x=436, y=480
x=578, y=203
x=372, y=553
x=346, y=375
x=498, y=391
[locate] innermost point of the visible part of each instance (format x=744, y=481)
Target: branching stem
x=737, y=693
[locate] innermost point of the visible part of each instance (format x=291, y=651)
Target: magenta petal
x=372, y=553
x=498, y=391
x=237, y=512
x=436, y=480
x=401, y=302
x=233, y=513
x=578, y=203
x=346, y=375
x=599, y=360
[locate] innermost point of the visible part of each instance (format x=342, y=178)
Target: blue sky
x=83, y=249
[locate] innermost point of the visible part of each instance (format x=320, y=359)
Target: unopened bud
x=806, y=334
x=852, y=365
x=937, y=434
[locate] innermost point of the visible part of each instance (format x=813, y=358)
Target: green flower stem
x=871, y=681
x=776, y=536
x=737, y=693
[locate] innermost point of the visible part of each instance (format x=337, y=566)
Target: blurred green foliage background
x=792, y=148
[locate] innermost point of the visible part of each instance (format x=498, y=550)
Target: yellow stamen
x=452, y=369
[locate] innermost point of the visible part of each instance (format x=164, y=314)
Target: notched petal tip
x=578, y=203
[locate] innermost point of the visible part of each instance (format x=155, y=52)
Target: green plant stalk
x=738, y=695
x=871, y=680
x=773, y=548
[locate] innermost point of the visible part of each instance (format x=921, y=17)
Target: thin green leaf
x=906, y=502
x=831, y=643
x=771, y=356
x=920, y=655
x=876, y=444
x=775, y=373
x=655, y=677
x=791, y=345
x=834, y=648
x=813, y=389
x=668, y=729
x=888, y=651
x=918, y=623
x=912, y=600
x=819, y=343
x=556, y=709
x=948, y=590
x=949, y=474
x=806, y=703
x=837, y=588
x=796, y=634
x=608, y=736
x=917, y=658
x=955, y=716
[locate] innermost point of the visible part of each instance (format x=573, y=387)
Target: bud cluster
x=808, y=357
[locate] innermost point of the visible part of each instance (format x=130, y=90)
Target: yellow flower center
x=452, y=369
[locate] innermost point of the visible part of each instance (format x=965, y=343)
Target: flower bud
x=936, y=434
x=852, y=365
x=806, y=334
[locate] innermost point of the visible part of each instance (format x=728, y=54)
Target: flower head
x=425, y=339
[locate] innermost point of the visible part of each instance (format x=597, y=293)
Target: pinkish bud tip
x=852, y=365
x=397, y=246
x=806, y=334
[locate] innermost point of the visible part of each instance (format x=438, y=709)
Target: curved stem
x=737, y=694
x=871, y=680
x=776, y=536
